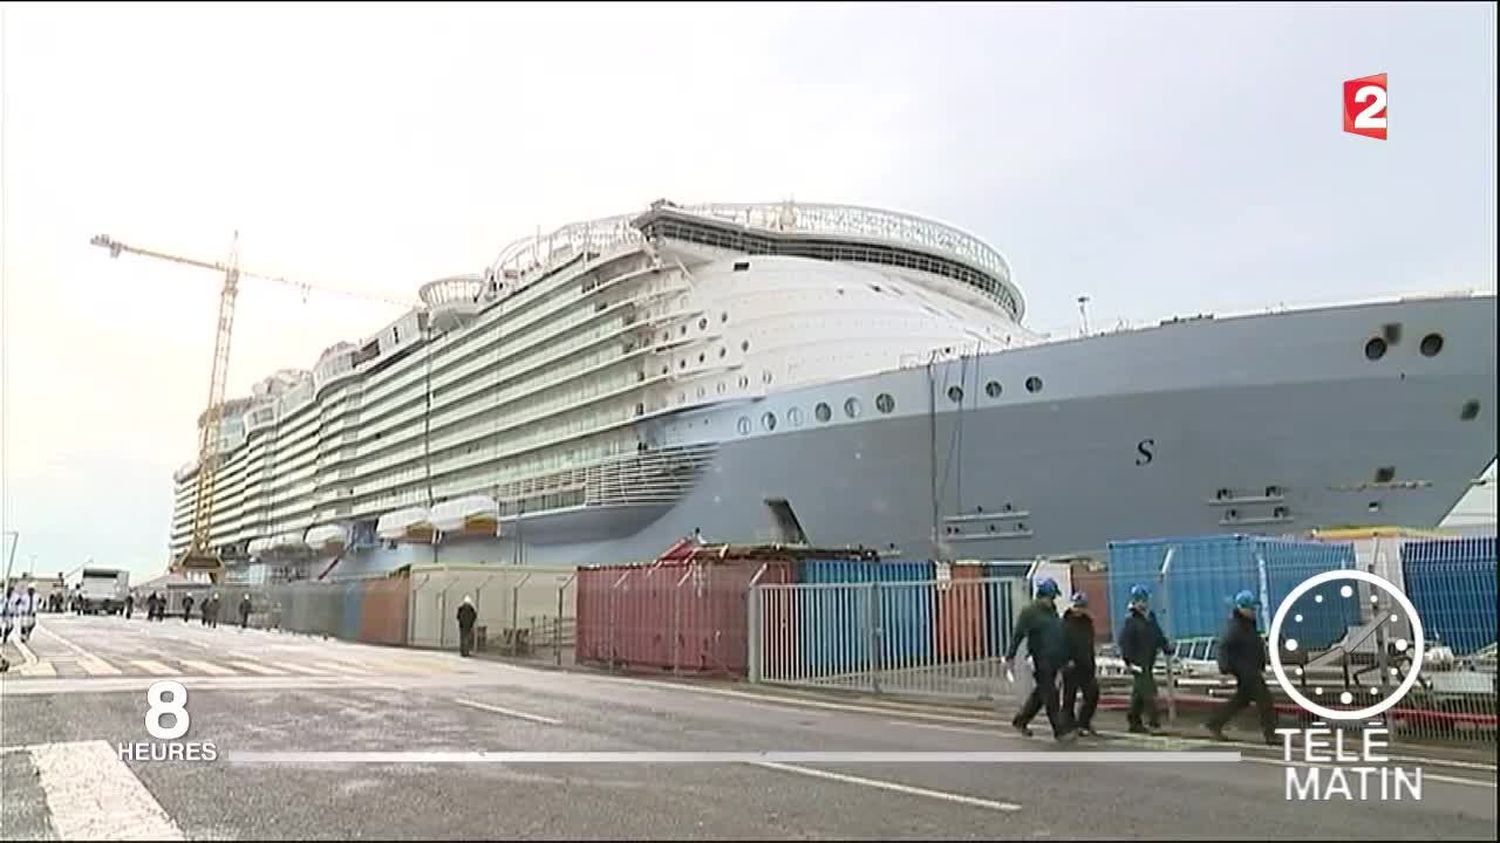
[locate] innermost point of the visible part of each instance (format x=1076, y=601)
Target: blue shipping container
x=1451, y=583
x=835, y=623
x=1207, y=571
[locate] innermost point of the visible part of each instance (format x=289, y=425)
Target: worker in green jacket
x=1141, y=638
x=1042, y=630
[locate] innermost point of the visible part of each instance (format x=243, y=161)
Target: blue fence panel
x=835, y=623
x=1288, y=563
x=352, y=616
x=1206, y=572
x=1451, y=583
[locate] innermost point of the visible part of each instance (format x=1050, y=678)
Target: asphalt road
x=80, y=691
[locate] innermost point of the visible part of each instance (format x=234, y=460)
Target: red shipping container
x=383, y=611
x=712, y=613
x=960, y=615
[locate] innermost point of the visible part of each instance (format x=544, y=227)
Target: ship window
x=768, y=421
x=1470, y=410
x=744, y=381
x=1033, y=384
x=724, y=317
x=1431, y=345
x=992, y=389
x=851, y=407
x=703, y=324
x=744, y=345
x=875, y=287
x=702, y=391
x=794, y=415
x=823, y=412
x=681, y=397
x=765, y=376
x=1375, y=349
x=741, y=266
x=723, y=351
x=743, y=425
x=664, y=368
x=701, y=357
x=682, y=364
x=884, y=402
x=955, y=393
x=683, y=332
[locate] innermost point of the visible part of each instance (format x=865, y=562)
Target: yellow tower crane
x=200, y=555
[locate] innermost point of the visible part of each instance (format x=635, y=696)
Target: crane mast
x=200, y=554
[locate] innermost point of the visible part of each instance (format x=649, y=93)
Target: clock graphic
x=1341, y=585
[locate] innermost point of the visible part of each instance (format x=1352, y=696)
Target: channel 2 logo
x=1365, y=106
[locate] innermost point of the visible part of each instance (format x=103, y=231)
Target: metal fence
x=1345, y=644
x=522, y=610
x=939, y=638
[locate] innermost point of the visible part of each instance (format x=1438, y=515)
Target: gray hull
x=1178, y=430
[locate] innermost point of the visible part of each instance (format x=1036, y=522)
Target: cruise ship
x=835, y=375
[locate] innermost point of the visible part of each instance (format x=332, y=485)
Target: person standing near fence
x=1081, y=674
x=1242, y=654
x=187, y=607
x=1042, y=630
x=467, y=615
x=1140, y=640
x=245, y=610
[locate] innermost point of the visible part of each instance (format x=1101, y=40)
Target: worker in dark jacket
x=245, y=606
x=1141, y=639
x=1042, y=630
x=1080, y=675
x=1242, y=654
x=187, y=607
x=466, y=617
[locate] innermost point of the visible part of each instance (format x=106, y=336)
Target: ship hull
x=1271, y=424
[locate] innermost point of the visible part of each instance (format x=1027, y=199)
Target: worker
x=1042, y=630
x=129, y=605
x=245, y=610
x=213, y=611
x=152, y=601
x=1141, y=639
x=7, y=619
x=26, y=616
x=1080, y=675
x=187, y=607
x=1242, y=654
x=467, y=614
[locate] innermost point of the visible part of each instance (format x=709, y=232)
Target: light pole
x=1083, y=311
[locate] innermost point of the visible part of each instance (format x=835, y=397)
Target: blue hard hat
x=1245, y=600
x=1080, y=599
x=1139, y=594
x=1047, y=587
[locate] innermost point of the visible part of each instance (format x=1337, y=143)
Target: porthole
x=702, y=392
x=722, y=351
x=666, y=335
x=665, y=369
x=794, y=415
x=765, y=376
x=1375, y=349
x=1431, y=345
x=702, y=357
x=1033, y=384
x=851, y=407
x=682, y=364
x=955, y=393
x=722, y=387
x=724, y=317
x=884, y=402
x=823, y=412
x=703, y=324
x=683, y=332
x=768, y=421
x=1470, y=410
x=744, y=381
x=875, y=287
x=744, y=345
x=743, y=425
x=992, y=389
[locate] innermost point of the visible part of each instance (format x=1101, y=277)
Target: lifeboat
x=327, y=538
x=413, y=524
x=258, y=546
x=473, y=515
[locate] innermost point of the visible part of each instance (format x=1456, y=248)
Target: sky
x=1161, y=159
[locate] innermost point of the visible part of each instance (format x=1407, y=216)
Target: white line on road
x=155, y=667
x=306, y=670
x=892, y=786
x=26, y=653
x=77, y=650
x=254, y=667
x=752, y=757
x=92, y=795
x=341, y=667
x=207, y=667
x=508, y=712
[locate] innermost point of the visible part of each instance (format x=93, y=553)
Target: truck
x=100, y=590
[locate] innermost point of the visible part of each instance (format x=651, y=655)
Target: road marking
x=39, y=669
x=26, y=653
x=77, y=650
x=306, y=670
x=508, y=712
x=253, y=667
x=92, y=794
x=154, y=667
x=207, y=667
x=892, y=786
x=341, y=667
x=95, y=666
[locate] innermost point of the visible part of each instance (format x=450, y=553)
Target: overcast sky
x=1161, y=159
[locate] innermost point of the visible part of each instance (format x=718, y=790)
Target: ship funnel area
x=788, y=528
x=453, y=301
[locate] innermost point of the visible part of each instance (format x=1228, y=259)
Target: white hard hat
x=468, y=599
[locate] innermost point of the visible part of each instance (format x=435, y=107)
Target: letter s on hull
x=1146, y=449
